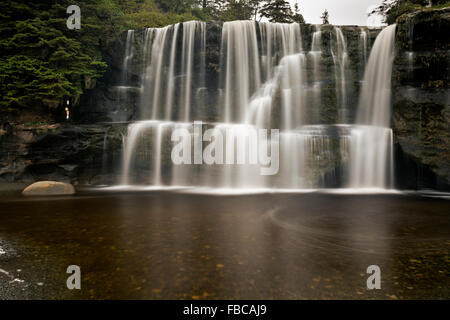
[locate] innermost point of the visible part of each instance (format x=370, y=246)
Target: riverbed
x=187, y=245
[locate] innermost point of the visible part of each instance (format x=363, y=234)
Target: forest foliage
x=392, y=9
x=43, y=63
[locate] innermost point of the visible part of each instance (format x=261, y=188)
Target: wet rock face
x=421, y=96
x=85, y=154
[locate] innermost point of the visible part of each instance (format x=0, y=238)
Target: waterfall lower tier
x=219, y=155
x=371, y=158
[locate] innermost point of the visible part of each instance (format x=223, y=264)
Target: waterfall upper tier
x=209, y=82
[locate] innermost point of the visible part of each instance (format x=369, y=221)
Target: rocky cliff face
x=421, y=100
x=90, y=152
x=80, y=154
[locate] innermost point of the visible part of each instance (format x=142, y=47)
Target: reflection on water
x=196, y=246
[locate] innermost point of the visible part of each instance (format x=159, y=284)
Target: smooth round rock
x=47, y=188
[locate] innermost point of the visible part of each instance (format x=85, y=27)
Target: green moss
x=399, y=11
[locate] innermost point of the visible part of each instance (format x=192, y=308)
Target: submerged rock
x=45, y=188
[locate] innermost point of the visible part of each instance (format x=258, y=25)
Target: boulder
x=46, y=188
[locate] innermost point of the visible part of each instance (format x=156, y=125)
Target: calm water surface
x=169, y=245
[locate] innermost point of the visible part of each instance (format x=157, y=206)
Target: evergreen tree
x=277, y=11
x=43, y=62
x=325, y=16
x=178, y=6
x=237, y=10
x=392, y=9
x=297, y=17
x=256, y=7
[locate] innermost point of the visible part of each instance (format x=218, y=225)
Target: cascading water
x=375, y=99
x=410, y=56
x=363, y=48
x=242, y=75
x=187, y=55
x=170, y=85
x=129, y=52
x=164, y=73
x=284, y=69
x=123, y=90
x=371, y=156
x=278, y=40
x=266, y=80
x=340, y=59
x=316, y=55
x=293, y=76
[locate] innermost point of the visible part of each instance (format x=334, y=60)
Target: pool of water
x=188, y=245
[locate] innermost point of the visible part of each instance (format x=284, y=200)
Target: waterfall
x=134, y=130
x=123, y=90
x=363, y=36
x=278, y=40
x=293, y=74
x=260, y=106
x=410, y=59
x=161, y=75
x=290, y=78
x=242, y=75
x=316, y=55
x=266, y=80
x=171, y=75
x=363, y=47
x=375, y=100
x=247, y=66
x=340, y=59
x=187, y=55
x=157, y=151
x=129, y=53
x=410, y=56
x=371, y=159
x=283, y=68
x=166, y=95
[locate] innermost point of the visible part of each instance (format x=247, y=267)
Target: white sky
x=341, y=12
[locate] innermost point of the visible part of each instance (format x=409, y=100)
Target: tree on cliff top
x=236, y=10
x=392, y=9
x=277, y=11
x=42, y=61
x=296, y=16
x=325, y=17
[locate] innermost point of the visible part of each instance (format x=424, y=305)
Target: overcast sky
x=342, y=12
